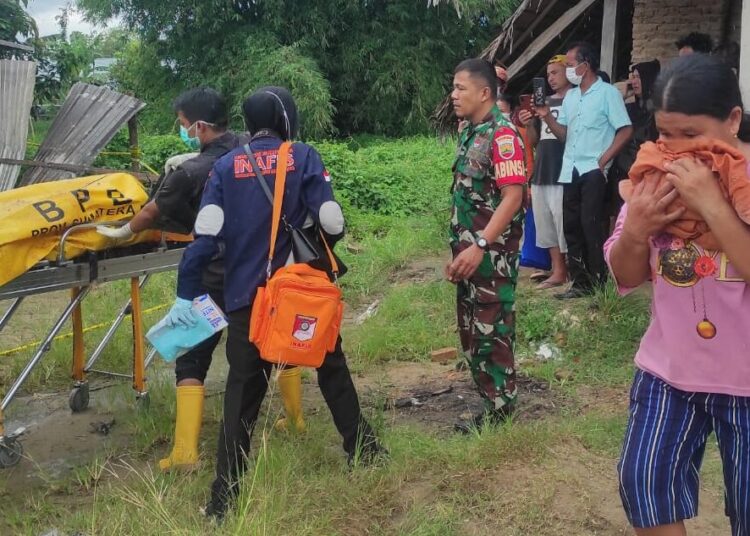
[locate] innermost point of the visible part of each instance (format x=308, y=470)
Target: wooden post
x=745, y=54
x=133, y=140
x=609, y=38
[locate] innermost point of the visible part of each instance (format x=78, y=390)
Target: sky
x=45, y=11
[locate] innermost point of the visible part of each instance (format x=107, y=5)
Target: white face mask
x=573, y=78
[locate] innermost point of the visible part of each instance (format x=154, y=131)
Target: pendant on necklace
x=706, y=329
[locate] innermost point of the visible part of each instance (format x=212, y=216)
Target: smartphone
x=540, y=91
x=525, y=103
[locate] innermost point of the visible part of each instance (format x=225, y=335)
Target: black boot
x=215, y=510
x=359, y=440
x=485, y=418
x=368, y=451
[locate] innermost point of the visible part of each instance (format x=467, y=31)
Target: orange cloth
x=726, y=161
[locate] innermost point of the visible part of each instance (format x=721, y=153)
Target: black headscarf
x=649, y=72
x=271, y=108
x=641, y=114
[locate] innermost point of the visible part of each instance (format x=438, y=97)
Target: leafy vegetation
x=378, y=67
x=395, y=177
x=14, y=22
x=155, y=150
x=375, y=176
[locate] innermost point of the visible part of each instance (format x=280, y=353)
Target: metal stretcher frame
x=78, y=277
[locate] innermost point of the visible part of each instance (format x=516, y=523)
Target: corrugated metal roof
x=88, y=119
x=16, y=96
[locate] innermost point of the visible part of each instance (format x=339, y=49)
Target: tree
x=384, y=63
x=110, y=42
x=14, y=21
x=140, y=71
x=62, y=60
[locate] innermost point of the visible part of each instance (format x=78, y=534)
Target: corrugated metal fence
x=17, y=80
x=88, y=119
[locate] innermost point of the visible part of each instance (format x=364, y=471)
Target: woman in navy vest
x=235, y=211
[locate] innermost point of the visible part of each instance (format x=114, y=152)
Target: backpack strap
x=258, y=173
x=274, y=198
x=331, y=258
x=277, y=197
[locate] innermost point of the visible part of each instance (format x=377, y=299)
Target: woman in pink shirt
x=693, y=364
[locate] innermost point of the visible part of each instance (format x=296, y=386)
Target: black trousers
x=194, y=365
x=246, y=387
x=583, y=222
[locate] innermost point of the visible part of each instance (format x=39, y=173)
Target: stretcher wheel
x=11, y=452
x=79, y=398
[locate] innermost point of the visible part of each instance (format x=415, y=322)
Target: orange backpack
x=296, y=317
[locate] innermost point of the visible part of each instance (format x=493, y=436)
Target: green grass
x=386, y=245
x=597, y=337
x=411, y=321
x=433, y=485
x=543, y=477
x=37, y=314
x=37, y=132
x=299, y=485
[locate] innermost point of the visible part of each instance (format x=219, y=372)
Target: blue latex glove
x=182, y=314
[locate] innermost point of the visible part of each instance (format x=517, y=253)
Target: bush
x=377, y=176
x=392, y=177
x=155, y=150
x=246, y=63
x=376, y=181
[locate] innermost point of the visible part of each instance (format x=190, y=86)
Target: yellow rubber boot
x=187, y=428
x=290, y=387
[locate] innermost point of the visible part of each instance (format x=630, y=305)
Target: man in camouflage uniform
x=486, y=229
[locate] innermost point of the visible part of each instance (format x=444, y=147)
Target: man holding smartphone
x=595, y=127
x=546, y=190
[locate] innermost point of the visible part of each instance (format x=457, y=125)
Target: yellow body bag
x=33, y=218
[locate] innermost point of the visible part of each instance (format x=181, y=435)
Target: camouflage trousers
x=486, y=326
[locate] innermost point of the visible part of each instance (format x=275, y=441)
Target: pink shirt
x=699, y=336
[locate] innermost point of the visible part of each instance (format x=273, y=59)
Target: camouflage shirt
x=490, y=156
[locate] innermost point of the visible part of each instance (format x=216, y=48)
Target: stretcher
x=136, y=263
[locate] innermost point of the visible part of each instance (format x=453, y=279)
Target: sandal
x=539, y=276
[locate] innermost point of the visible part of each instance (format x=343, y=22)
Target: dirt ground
x=437, y=396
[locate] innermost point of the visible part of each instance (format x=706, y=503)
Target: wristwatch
x=482, y=243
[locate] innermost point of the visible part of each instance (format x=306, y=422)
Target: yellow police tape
x=134, y=153
x=149, y=168
x=101, y=325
